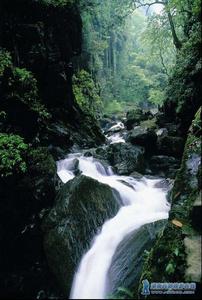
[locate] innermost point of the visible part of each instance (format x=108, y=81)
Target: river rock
x=116, y=128
x=129, y=257
x=134, y=117
x=106, y=123
x=82, y=206
x=145, y=137
x=164, y=165
x=126, y=158
x=170, y=145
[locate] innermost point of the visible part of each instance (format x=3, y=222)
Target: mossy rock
x=134, y=117
x=145, y=137
x=39, y=182
x=126, y=158
x=167, y=261
x=41, y=162
x=82, y=206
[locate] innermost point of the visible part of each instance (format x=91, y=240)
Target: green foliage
x=5, y=60
x=113, y=107
x=118, y=58
x=12, y=154
x=23, y=85
x=86, y=93
x=41, y=162
x=58, y=3
x=184, y=88
x=158, y=43
x=156, y=96
x=170, y=268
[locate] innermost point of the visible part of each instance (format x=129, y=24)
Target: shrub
x=5, y=60
x=40, y=161
x=23, y=85
x=86, y=93
x=113, y=107
x=12, y=153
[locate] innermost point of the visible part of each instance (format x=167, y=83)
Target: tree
x=167, y=8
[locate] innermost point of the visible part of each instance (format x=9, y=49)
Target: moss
x=184, y=191
x=150, y=124
x=167, y=260
x=87, y=93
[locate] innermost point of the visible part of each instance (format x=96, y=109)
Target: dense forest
x=100, y=149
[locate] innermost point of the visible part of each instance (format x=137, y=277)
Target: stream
x=142, y=202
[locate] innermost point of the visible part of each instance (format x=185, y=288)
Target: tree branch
x=163, y=64
x=176, y=41
x=141, y=4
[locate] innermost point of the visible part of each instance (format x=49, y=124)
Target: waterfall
x=142, y=203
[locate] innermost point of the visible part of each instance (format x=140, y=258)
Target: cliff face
x=42, y=38
x=39, y=122
x=176, y=256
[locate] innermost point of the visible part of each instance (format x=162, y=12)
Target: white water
x=117, y=127
x=143, y=203
x=115, y=138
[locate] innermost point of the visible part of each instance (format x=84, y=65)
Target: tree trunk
x=176, y=41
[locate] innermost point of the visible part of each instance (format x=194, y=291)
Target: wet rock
x=82, y=206
x=126, y=158
x=116, y=128
x=170, y=145
x=106, y=123
x=164, y=165
x=134, y=117
x=136, y=175
x=165, y=184
x=129, y=257
x=58, y=134
x=176, y=256
x=144, y=137
x=162, y=132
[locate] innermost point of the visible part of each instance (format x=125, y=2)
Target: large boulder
x=144, y=137
x=134, y=117
x=163, y=165
x=130, y=256
x=126, y=158
x=170, y=145
x=82, y=206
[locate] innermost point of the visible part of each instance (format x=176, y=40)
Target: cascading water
x=143, y=203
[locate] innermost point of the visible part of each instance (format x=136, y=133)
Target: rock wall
x=176, y=256
x=42, y=38
x=38, y=39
